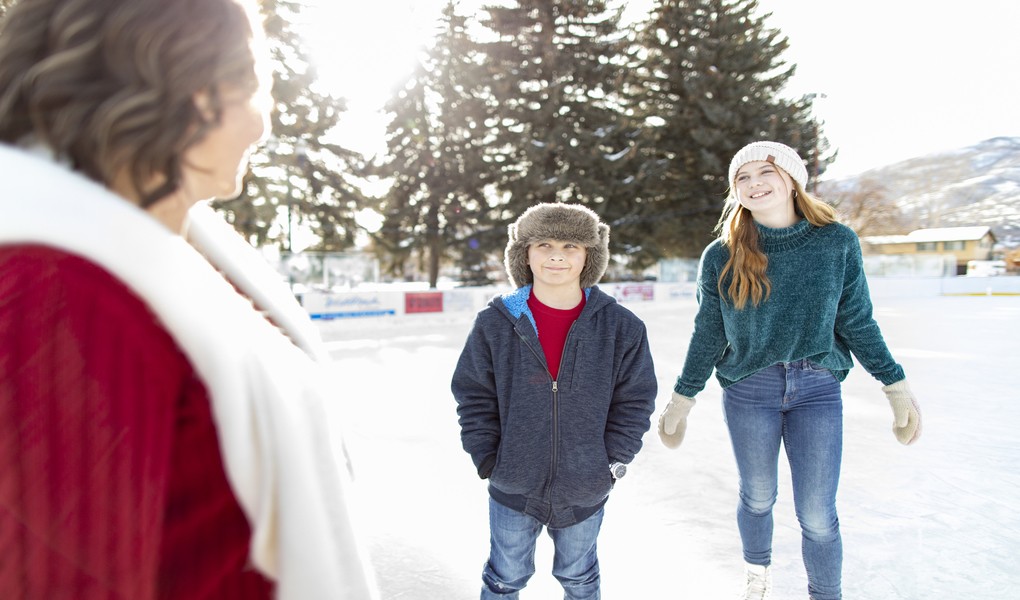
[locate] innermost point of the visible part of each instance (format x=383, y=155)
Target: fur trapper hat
x=778, y=154
x=564, y=223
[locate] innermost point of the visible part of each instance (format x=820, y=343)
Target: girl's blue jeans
x=799, y=405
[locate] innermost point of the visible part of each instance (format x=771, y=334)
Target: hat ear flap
x=515, y=259
x=597, y=260
x=517, y=268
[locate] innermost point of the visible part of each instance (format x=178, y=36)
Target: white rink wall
x=415, y=299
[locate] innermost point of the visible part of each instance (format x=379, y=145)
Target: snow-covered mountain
x=974, y=185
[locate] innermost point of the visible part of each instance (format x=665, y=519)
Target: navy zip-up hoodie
x=546, y=445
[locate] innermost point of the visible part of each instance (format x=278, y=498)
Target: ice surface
x=936, y=520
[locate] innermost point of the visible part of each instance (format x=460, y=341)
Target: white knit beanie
x=561, y=222
x=778, y=154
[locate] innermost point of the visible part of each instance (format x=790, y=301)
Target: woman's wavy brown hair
x=747, y=263
x=110, y=85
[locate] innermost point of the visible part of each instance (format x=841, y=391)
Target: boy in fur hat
x=555, y=388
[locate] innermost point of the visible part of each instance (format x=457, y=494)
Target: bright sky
x=901, y=78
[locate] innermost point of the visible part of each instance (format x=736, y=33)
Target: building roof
x=937, y=234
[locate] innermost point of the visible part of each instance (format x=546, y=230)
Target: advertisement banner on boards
x=423, y=302
x=326, y=305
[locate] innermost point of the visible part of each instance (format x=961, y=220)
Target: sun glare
x=364, y=51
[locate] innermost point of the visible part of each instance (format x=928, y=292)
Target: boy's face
x=556, y=263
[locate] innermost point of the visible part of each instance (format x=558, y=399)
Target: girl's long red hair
x=747, y=264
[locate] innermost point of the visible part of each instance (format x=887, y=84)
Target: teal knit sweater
x=819, y=309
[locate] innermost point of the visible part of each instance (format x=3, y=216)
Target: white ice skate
x=759, y=583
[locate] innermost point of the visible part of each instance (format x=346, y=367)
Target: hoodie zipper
x=555, y=406
x=556, y=410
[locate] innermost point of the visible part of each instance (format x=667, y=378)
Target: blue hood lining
x=517, y=303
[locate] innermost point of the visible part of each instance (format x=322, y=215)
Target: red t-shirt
x=111, y=480
x=553, y=326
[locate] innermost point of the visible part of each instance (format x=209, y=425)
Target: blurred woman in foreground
x=161, y=392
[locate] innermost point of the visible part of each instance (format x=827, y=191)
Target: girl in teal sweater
x=783, y=303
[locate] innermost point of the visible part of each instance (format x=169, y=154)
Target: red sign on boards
x=423, y=302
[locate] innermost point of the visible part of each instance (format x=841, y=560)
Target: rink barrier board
x=389, y=303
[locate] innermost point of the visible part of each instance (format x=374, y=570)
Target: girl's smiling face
x=767, y=191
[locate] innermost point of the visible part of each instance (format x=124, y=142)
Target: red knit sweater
x=553, y=326
x=111, y=479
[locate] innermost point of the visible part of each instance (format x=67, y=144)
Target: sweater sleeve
x=474, y=388
x=86, y=430
x=708, y=342
x=633, y=400
x=855, y=323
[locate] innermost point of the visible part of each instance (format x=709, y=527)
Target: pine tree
x=435, y=208
x=708, y=76
x=560, y=128
x=297, y=177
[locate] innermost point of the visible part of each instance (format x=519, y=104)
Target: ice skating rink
x=939, y=520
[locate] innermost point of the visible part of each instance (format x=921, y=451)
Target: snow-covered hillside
x=975, y=185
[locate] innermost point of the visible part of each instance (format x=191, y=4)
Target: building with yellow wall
x=964, y=243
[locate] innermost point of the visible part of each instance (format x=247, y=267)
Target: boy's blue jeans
x=800, y=405
x=512, y=555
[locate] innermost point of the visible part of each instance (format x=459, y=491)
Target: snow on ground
x=936, y=520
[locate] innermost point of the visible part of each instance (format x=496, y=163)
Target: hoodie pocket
x=583, y=477
x=524, y=456
x=592, y=366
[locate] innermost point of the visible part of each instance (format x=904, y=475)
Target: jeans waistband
x=801, y=364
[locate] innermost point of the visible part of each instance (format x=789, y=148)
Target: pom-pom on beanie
x=560, y=222
x=778, y=154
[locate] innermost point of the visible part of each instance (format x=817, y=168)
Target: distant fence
x=384, y=302
x=910, y=265
x=388, y=302
x=883, y=287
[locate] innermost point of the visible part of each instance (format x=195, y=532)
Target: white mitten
x=673, y=420
x=906, y=412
